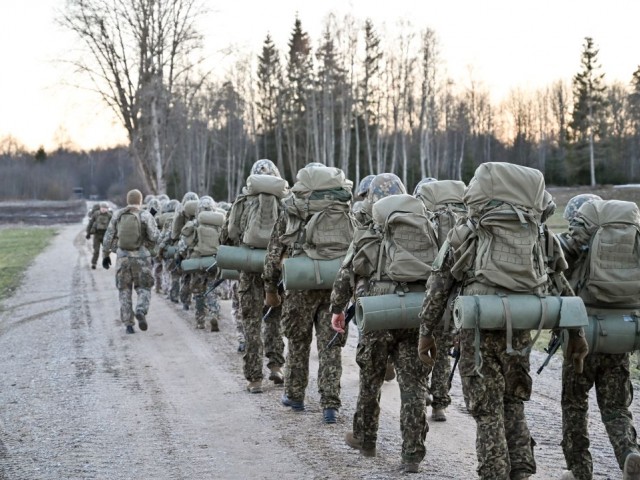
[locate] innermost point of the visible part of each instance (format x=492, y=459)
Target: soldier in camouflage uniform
x=133, y=267
x=97, y=226
x=495, y=390
x=179, y=221
x=302, y=312
x=200, y=281
x=375, y=348
x=608, y=372
x=261, y=338
x=170, y=275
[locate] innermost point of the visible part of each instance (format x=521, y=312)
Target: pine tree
x=588, y=108
x=268, y=104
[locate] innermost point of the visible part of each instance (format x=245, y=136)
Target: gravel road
x=79, y=399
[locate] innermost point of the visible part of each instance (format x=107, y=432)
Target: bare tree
x=138, y=50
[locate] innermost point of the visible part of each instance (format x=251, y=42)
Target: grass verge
x=18, y=247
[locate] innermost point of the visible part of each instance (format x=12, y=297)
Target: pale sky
x=506, y=43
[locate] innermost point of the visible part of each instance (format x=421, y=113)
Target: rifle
x=455, y=354
x=552, y=348
x=348, y=315
x=215, y=285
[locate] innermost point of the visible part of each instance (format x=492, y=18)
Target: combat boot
x=255, y=386
x=411, y=467
x=354, y=442
x=390, y=374
x=214, y=325
x=130, y=329
x=142, y=320
x=200, y=325
x=276, y=375
x=330, y=415
x=439, y=415
x=631, y=469
x=567, y=475
x=296, y=406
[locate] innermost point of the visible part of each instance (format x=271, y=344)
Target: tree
x=588, y=106
x=137, y=51
x=269, y=102
x=634, y=114
x=369, y=93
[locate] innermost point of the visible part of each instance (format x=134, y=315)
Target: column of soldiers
x=392, y=243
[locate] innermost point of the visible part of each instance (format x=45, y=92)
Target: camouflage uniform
x=495, y=393
x=608, y=372
x=261, y=338
x=101, y=216
x=133, y=267
x=170, y=275
x=376, y=349
x=236, y=312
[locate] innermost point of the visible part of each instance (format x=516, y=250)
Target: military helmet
x=170, y=206
x=104, y=205
x=163, y=197
x=571, y=210
x=363, y=187
x=315, y=164
x=155, y=204
x=265, y=167
x=206, y=203
x=384, y=185
x=189, y=196
x=423, y=182
x=226, y=206
x=148, y=198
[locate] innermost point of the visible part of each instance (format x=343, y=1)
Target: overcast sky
x=506, y=43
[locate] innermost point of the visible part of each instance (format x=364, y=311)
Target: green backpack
x=129, y=230
x=444, y=202
x=400, y=245
x=102, y=221
x=610, y=273
x=319, y=221
x=208, y=233
x=505, y=204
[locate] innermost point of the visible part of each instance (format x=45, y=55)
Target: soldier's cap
x=134, y=197
x=573, y=205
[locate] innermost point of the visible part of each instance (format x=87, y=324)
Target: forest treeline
x=355, y=98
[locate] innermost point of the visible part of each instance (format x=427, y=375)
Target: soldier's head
x=423, y=182
x=189, y=196
x=163, y=197
x=226, y=206
x=363, y=187
x=104, y=207
x=265, y=167
x=153, y=205
x=571, y=210
x=148, y=198
x=134, y=197
x=384, y=185
x=170, y=206
x=206, y=203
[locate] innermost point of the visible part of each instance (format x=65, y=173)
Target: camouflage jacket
x=275, y=252
x=94, y=218
x=439, y=287
x=149, y=234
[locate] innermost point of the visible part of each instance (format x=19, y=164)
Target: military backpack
x=208, y=233
x=130, y=230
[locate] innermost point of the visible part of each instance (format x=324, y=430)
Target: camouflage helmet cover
x=148, y=198
x=163, y=197
x=265, y=167
x=226, y=206
x=206, y=203
x=363, y=187
x=571, y=210
x=423, y=182
x=189, y=196
x=170, y=206
x=384, y=185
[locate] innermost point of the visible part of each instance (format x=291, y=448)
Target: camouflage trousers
x=302, y=311
x=133, y=273
x=374, y=349
x=157, y=267
x=610, y=375
x=171, y=279
x=236, y=311
x=495, y=398
x=261, y=338
x=439, y=385
x=200, y=284
x=185, y=288
x=97, y=243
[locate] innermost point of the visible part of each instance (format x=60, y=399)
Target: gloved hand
x=272, y=299
x=178, y=260
x=427, y=350
x=337, y=322
x=88, y=236
x=106, y=262
x=577, y=349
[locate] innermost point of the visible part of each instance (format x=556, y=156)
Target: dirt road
x=79, y=399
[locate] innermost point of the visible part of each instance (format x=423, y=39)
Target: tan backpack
x=130, y=230
x=610, y=273
x=445, y=204
x=208, y=233
x=319, y=223
x=255, y=212
x=400, y=245
x=102, y=221
x=505, y=203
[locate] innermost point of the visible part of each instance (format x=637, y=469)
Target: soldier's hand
x=427, y=350
x=106, y=262
x=577, y=349
x=337, y=322
x=272, y=299
x=88, y=236
x=178, y=260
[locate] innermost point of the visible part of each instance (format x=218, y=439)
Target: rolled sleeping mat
x=488, y=312
x=243, y=259
x=229, y=274
x=170, y=252
x=387, y=312
x=197, y=264
x=304, y=273
x=613, y=332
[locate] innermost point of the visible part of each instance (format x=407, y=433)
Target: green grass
x=18, y=247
